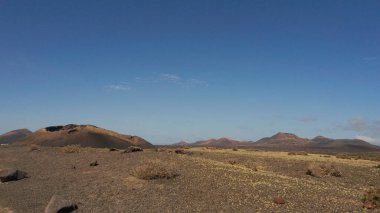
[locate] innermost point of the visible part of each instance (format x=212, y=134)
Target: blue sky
x=190, y=70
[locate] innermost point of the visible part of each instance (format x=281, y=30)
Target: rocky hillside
x=84, y=135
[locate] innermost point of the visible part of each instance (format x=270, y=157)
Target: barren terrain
x=201, y=180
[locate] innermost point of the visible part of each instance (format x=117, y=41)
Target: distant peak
x=65, y=127
x=284, y=136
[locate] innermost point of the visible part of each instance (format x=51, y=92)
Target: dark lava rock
x=59, y=204
x=133, y=149
x=279, y=200
x=95, y=163
x=12, y=175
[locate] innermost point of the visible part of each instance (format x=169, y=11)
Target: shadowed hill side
x=222, y=142
x=14, y=136
x=348, y=145
x=84, y=135
x=288, y=141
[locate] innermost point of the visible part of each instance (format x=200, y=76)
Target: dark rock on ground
x=133, y=149
x=11, y=174
x=95, y=163
x=279, y=200
x=59, y=204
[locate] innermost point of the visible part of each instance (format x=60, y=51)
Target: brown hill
x=181, y=143
x=219, y=142
x=281, y=139
x=347, y=145
x=14, y=136
x=84, y=135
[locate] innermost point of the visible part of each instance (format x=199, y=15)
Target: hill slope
x=84, y=135
x=227, y=142
x=282, y=140
x=348, y=145
x=14, y=136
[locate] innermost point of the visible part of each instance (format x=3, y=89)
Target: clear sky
x=188, y=70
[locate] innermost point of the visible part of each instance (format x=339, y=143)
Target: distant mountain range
x=288, y=141
x=84, y=135
x=14, y=136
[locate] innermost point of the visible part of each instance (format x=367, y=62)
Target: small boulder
x=112, y=149
x=279, y=200
x=11, y=174
x=94, y=163
x=59, y=204
x=133, y=149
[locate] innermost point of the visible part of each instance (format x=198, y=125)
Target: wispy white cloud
x=118, y=87
x=176, y=79
x=366, y=129
x=357, y=124
x=170, y=78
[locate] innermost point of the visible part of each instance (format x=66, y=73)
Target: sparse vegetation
x=133, y=149
x=298, y=153
x=232, y=162
x=155, y=169
x=322, y=170
x=34, y=147
x=180, y=151
x=234, y=149
x=371, y=199
x=71, y=149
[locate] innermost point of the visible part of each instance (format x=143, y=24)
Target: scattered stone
x=279, y=200
x=59, y=204
x=95, y=163
x=133, y=149
x=10, y=174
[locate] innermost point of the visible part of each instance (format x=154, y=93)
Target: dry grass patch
x=298, y=153
x=71, y=148
x=322, y=170
x=155, y=169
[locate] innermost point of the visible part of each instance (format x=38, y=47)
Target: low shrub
x=234, y=149
x=133, y=149
x=34, y=147
x=155, y=169
x=322, y=170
